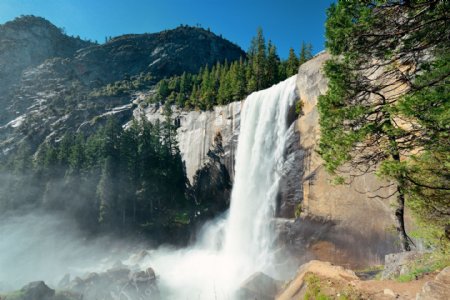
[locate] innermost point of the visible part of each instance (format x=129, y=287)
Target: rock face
x=212, y=182
x=197, y=132
x=438, y=289
x=358, y=212
x=48, y=77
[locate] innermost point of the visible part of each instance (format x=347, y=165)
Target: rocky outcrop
x=26, y=42
x=166, y=53
x=297, y=287
x=119, y=282
x=212, y=183
x=397, y=264
x=437, y=289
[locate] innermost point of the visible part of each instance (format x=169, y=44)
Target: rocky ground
x=314, y=280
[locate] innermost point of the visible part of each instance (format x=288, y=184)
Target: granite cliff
x=315, y=218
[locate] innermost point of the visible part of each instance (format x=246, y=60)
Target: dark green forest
x=113, y=180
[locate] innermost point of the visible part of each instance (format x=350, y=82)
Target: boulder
x=444, y=276
x=259, y=286
x=397, y=264
x=119, y=282
x=438, y=289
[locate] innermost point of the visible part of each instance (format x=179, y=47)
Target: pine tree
x=273, y=62
x=305, y=53
x=292, y=63
x=258, y=56
x=375, y=80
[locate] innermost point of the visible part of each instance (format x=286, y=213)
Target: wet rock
x=118, y=282
x=212, y=183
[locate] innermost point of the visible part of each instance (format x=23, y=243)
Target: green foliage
x=113, y=180
x=430, y=262
x=305, y=53
x=314, y=289
x=125, y=86
x=292, y=63
x=299, y=107
x=228, y=82
x=387, y=103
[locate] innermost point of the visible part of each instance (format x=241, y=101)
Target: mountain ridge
x=48, y=92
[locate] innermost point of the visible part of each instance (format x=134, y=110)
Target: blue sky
x=286, y=22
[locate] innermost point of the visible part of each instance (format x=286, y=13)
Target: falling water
x=238, y=245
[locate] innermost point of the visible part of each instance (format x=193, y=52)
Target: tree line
x=114, y=180
x=227, y=82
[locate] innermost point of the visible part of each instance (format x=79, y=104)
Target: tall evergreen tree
x=382, y=52
x=305, y=53
x=292, y=63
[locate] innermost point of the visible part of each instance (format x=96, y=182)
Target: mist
x=41, y=246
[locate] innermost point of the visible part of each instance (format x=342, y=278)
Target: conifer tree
x=305, y=53
x=388, y=86
x=292, y=63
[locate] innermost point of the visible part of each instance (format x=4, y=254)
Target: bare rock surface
x=437, y=289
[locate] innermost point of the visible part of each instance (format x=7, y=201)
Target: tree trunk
x=400, y=220
x=400, y=209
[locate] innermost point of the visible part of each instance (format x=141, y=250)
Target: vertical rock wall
x=359, y=213
x=346, y=224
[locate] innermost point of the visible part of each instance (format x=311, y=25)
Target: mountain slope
x=51, y=76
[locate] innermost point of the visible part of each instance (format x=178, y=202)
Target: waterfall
x=259, y=161
x=236, y=246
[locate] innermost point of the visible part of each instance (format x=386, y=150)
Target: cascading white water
x=234, y=248
x=259, y=161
